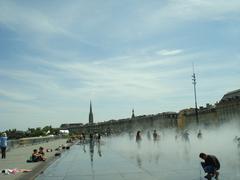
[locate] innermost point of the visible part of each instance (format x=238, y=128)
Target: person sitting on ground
x=37, y=157
x=210, y=165
x=40, y=151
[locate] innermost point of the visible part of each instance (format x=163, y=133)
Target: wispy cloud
x=16, y=95
x=148, y=18
x=27, y=19
x=57, y=56
x=165, y=52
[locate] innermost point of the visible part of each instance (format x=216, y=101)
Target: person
x=155, y=135
x=138, y=136
x=199, y=135
x=3, y=145
x=37, y=157
x=40, y=151
x=91, y=136
x=98, y=137
x=185, y=136
x=210, y=165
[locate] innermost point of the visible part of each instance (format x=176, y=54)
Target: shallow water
x=166, y=159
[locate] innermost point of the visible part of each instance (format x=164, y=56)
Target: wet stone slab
x=120, y=158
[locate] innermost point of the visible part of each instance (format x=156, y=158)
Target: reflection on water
x=139, y=160
x=99, y=149
x=91, y=149
x=92, y=144
x=176, y=152
x=84, y=148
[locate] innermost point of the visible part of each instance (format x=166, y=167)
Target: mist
x=174, y=153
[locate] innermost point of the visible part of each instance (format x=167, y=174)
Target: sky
x=58, y=55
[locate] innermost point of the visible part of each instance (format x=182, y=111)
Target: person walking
x=3, y=145
x=210, y=165
x=138, y=138
x=155, y=136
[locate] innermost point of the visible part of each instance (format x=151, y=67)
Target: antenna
x=195, y=94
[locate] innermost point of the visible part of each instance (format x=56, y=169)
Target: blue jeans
x=208, y=168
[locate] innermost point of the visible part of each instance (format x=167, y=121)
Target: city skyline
x=57, y=56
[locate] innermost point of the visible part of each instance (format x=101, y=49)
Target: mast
x=195, y=94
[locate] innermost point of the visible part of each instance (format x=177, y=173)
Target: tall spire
x=133, y=115
x=90, y=114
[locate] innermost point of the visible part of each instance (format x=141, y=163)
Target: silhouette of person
x=155, y=136
x=185, y=136
x=199, y=135
x=138, y=138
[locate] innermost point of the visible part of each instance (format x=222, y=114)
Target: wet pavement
x=121, y=158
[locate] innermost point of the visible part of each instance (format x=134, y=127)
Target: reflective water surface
x=171, y=155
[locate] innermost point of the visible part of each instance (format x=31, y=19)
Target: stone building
x=227, y=109
x=72, y=127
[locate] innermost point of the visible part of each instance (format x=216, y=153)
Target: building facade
x=228, y=108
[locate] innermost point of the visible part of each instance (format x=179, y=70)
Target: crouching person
x=210, y=165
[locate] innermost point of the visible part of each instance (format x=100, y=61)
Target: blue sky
x=57, y=56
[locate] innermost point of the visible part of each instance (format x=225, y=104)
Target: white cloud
x=166, y=52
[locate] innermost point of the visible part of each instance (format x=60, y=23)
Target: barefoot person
x=210, y=165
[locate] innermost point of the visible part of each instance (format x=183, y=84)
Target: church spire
x=133, y=115
x=90, y=114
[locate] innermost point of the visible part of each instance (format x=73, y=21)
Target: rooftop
x=231, y=95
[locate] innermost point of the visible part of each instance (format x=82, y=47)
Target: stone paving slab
x=108, y=162
x=16, y=158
